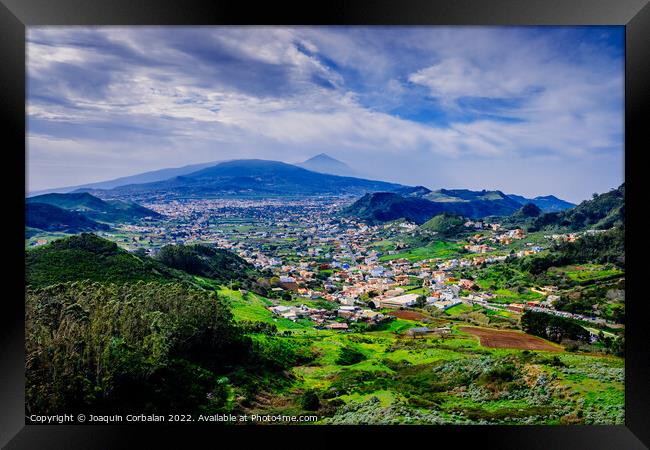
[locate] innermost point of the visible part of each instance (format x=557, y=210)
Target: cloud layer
x=527, y=110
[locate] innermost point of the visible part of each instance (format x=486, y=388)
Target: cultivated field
x=510, y=339
x=408, y=315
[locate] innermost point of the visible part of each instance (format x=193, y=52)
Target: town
x=315, y=255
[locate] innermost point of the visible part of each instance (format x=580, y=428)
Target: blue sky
x=528, y=110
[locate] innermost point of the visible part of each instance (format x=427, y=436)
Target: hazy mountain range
x=378, y=201
x=146, y=177
x=321, y=163
x=252, y=178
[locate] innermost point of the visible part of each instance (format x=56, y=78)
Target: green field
x=588, y=272
x=437, y=249
x=458, y=309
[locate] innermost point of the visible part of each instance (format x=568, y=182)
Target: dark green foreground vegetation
x=141, y=347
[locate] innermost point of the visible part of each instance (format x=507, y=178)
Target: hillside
x=89, y=257
x=415, y=191
x=101, y=347
x=255, y=177
x=601, y=212
x=52, y=218
x=527, y=211
x=475, y=203
x=445, y=224
x=95, y=208
x=217, y=264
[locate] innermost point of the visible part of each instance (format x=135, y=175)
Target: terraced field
x=510, y=339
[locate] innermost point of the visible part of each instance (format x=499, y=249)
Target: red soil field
x=510, y=339
x=408, y=315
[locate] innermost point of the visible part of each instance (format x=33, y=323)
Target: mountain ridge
x=144, y=177
x=421, y=204
x=547, y=203
x=95, y=208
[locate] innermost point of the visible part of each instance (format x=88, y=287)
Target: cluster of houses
x=480, y=225
x=329, y=318
x=424, y=331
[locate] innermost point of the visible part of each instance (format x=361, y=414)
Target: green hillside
x=48, y=217
x=206, y=261
x=444, y=224
x=601, y=212
x=96, y=208
x=88, y=257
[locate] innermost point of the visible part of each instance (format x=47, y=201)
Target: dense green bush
x=349, y=355
x=551, y=327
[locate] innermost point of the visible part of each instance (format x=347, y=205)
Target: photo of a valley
x=325, y=226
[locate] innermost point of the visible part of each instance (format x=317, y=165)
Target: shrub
x=310, y=401
x=348, y=356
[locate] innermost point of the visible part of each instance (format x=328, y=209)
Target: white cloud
x=457, y=77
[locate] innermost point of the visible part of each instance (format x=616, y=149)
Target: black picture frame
x=15, y=15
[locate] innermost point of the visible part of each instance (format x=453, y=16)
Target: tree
x=421, y=301
x=96, y=346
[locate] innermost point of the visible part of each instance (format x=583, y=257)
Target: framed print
x=353, y=221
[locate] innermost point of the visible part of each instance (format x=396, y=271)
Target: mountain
x=421, y=206
x=52, y=218
x=89, y=257
x=465, y=202
x=145, y=177
x=323, y=163
x=95, y=208
x=547, y=203
x=474, y=204
x=255, y=177
x=386, y=206
x=601, y=212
